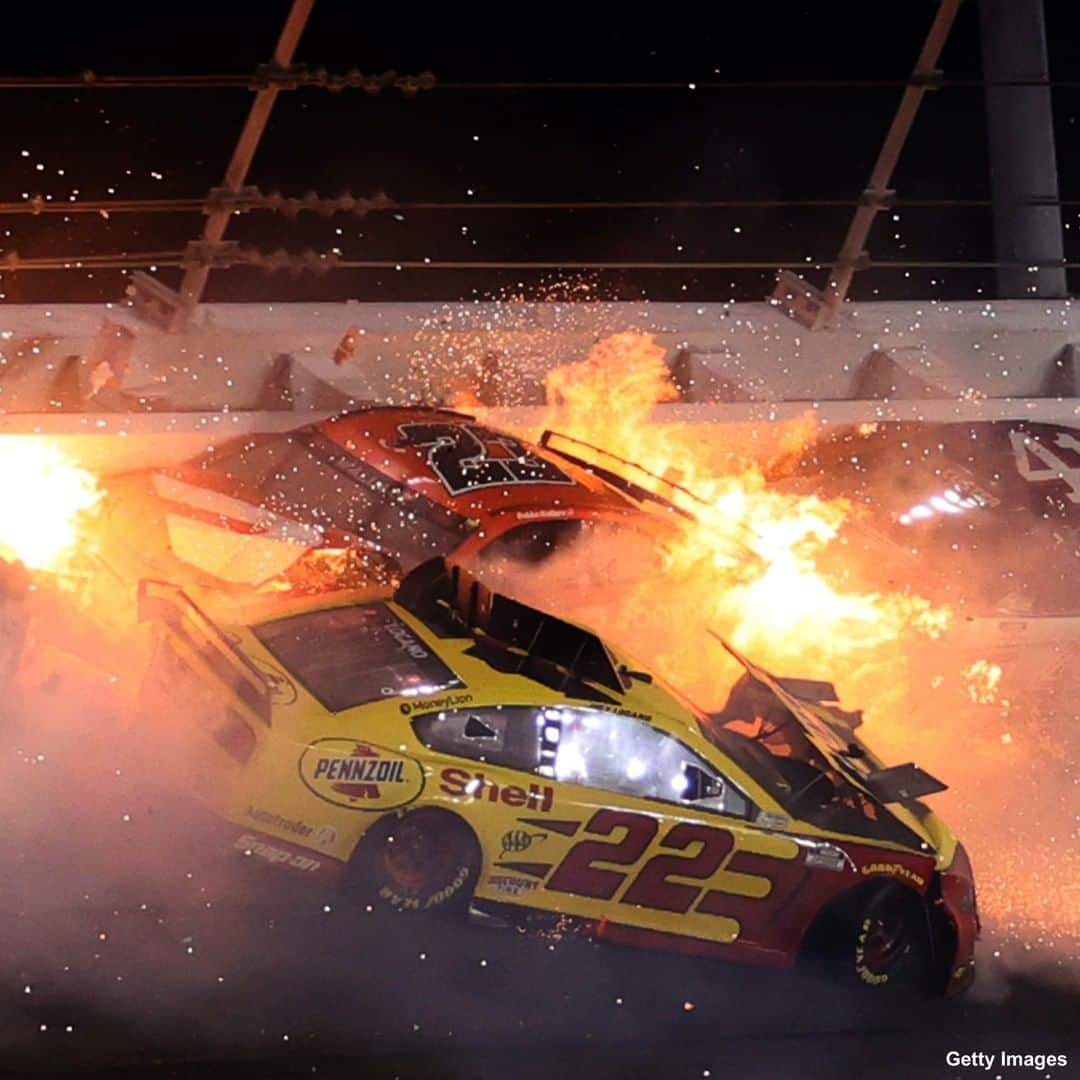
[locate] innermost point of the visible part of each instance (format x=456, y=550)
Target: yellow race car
x=451, y=750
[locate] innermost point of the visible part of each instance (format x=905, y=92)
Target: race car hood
x=831, y=731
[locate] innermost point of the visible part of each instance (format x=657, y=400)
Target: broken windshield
x=766, y=740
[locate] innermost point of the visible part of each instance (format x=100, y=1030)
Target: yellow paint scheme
x=276, y=791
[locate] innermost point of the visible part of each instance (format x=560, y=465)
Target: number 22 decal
x=652, y=886
x=576, y=873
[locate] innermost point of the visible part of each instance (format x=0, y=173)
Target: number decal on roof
x=466, y=456
x=1038, y=463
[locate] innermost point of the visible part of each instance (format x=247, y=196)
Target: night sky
x=456, y=145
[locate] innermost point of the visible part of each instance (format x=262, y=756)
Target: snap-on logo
x=360, y=775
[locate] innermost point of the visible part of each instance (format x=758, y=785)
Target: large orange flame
x=45, y=498
x=775, y=601
x=803, y=605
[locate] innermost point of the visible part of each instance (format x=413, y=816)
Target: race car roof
x=472, y=469
x=1005, y=465
x=411, y=483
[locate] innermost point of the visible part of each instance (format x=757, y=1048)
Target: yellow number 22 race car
x=449, y=749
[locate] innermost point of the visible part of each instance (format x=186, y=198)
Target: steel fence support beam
x=191, y=288
x=1023, y=165
x=924, y=77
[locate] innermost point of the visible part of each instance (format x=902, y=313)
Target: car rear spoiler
x=536, y=644
x=616, y=479
x=639, y=492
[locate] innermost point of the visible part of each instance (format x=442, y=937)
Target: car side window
x=626, y=755
x=507, y=735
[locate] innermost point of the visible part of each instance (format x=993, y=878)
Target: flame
x=983, y=678
x=771, y=572
x=321, y=570
x=746, y=566
x=46, y=498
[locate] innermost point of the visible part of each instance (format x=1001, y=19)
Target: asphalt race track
x=130, y=948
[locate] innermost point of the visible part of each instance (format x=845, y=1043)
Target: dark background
x=670, y=144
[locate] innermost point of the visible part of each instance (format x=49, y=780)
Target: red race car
x=377, y=491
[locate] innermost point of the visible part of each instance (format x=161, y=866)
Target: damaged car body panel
x=590, y=790
x=360, y=499
x=950, y=500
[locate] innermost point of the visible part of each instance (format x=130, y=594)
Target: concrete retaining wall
x=403, y=351
x=76, y=372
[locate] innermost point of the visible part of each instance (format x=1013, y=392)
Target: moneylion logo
x=360, y=775
x=448, y=701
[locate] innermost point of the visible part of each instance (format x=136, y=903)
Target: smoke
x=128, y=941
x=1011, y=767
x=130, y=938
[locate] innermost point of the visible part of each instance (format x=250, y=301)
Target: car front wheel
x=878, y=939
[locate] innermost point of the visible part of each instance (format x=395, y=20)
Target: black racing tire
x=419, y=862
x=878, y=938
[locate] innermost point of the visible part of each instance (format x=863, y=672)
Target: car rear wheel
x=424, y=861
x=878, y=939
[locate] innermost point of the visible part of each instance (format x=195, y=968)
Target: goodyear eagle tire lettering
x=878, y=940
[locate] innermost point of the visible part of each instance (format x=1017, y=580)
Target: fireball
x=46, y=498
x=776, y=602
x=794, y=605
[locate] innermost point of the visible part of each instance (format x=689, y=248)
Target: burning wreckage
x=353, y=703
x=945, y=504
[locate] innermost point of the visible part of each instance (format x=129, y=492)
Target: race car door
x=645, y=832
